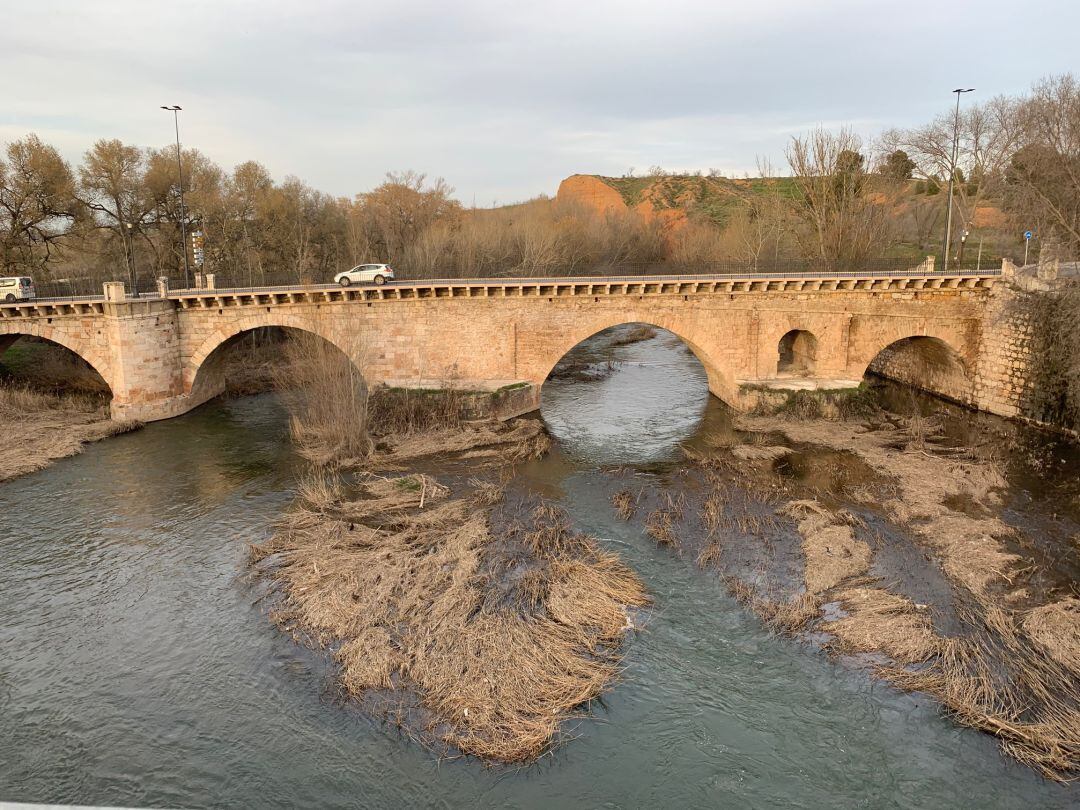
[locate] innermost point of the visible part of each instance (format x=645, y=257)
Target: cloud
x=504, y=99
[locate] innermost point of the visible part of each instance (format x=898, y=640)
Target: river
x=139, y=668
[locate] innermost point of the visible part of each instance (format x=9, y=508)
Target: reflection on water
x=139, y=668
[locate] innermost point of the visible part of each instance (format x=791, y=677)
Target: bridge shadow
x=47, y=366
x=259, y=360
x=925, y=363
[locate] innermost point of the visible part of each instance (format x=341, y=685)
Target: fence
x=65, y=290
x=780, y=267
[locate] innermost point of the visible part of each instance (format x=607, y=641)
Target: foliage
x=1043, y=175
x=840, y=222
x=898, y=166
x=1053, y=393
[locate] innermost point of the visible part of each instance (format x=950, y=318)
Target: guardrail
x=567, y=280
x=827, y=275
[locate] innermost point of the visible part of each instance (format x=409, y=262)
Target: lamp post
x=131, y=258
x=175, y=109
x=952, y=175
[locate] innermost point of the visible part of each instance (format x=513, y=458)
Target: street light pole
x=952, y=175
x=175, y=110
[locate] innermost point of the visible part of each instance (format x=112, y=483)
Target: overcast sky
x=504, y=99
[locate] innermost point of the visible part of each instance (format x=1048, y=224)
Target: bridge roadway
x=161, y=354
x=559, y=285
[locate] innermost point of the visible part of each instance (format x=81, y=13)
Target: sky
x=504, y=99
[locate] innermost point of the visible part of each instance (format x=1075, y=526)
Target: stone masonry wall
x=495, y=341
x=1001, y=383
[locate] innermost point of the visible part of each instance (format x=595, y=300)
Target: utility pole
x=952, y=175
x=131, y=258
x=175, y=110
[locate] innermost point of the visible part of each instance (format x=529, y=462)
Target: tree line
x=117, y=214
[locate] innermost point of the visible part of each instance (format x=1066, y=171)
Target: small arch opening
x=797, y=354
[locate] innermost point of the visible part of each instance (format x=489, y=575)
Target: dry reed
x=50, y=427
x=624, y=503
x=996, y=679
x=496, y=640
x=660, y=524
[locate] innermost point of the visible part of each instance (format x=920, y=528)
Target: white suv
x=373, y=273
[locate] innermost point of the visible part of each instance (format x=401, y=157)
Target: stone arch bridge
x=159, y=355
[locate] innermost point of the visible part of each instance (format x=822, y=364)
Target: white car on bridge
x=365, y=274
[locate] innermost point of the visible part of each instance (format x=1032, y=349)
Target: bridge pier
x=145, y=372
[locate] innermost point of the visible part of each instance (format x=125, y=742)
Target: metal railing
x=740, y=268
x=807, y=270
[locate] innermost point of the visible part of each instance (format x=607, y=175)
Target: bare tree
x=842, y=223
x=112, y=185
x=987, y=135
x=1043, y=177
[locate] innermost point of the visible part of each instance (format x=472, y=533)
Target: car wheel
x=345, y=281
x=380, y=279
x=10, y=298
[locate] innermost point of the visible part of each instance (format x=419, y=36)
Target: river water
x=138, y=668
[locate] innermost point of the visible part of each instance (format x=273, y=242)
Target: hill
x=674, y=199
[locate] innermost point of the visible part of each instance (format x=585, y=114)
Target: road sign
x=1028, y=234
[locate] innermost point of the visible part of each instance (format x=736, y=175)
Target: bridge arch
x=93, y=357
x=927, y=363
x=202, y=367
x=721, y=383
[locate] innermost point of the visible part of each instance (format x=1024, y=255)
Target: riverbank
x=891, y=543
x=41, y=428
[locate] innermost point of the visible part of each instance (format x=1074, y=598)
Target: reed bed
x=997, y=679
x=478, y=643
x=50, y=427
x=1010, y=672
x=638, y=334
x=787, y=616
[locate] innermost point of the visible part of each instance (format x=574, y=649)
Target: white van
x=16, y=288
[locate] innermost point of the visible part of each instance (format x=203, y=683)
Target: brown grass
x=496, y=641
x=327, y=400
x=785, y=616
x=45, y=427
x=486, y=493
x=833, y=553
x=625, y=504
x=660, y=523
x=490, y=441
x=636, y=335
x=879, y=621
x=1014, y=674
x=1056, y=627
x=996, y=679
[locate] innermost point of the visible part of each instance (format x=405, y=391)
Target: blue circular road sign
x=1027, y=234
